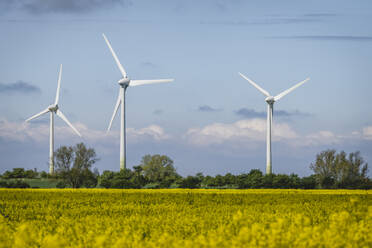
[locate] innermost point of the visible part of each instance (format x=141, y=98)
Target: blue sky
x=209, y=119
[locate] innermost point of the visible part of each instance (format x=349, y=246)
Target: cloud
x=153, y=132
x=273, y=20
x=19, y=87
x=251, y=133
x=367, y=133
x=39, y=132
x=327, y=37
x=64, y=6
x=251, y=113
x=283, y=113
x=206, y=108
x=243, y=131
x=264, y=21
x=319, y=138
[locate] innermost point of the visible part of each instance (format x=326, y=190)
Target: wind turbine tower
x=124, y=83
x=270, y=100
x=54, y=109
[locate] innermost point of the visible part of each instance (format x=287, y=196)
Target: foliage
x=61, y=185
x=309, y=182
x=124, y=179
x=158, y=169
x=73, y=164
x=106, y=178
x=33, y=182
x=14, y=184
x=185, y=218
x=340, y=170
x=20, y=173
x=43, y=174
x=190, y=182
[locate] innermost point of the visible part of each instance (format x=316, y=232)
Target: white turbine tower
x=54, y=109
x=124, y=82
x=270, y=107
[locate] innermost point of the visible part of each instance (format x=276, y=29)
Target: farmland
x=185, y=218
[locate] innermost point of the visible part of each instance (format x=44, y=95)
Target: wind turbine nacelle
x=270, y=99
x=124, y=81
x=53, y=107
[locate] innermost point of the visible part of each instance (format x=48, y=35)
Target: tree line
x=331, y=170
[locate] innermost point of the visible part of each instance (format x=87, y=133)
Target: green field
x=185, y=218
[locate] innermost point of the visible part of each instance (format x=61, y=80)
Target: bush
x=3, y=184
x=152, y=186
x=308, y=182
x=61, y=185
x=18, y=184
x=190, y=182
x=43, y=174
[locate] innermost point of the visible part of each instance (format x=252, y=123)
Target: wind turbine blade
x=115, y=109
x=276, y=98
x=255, y=85
x=59, y=84
x=63, y=117
x=121, y=68
x=153, y=81
x=37, y=115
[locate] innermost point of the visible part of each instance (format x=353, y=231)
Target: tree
x=138, y=179
x=208, y=181
x=158, y=169
x=219, y=180
x=267, y=180
x=190, y=182
x=308, y=182
x=43, y=174
x=15, y=173
x=281, y=181
x=20, y=173
x=352, y=170
x=294, y=181
x=255, y=179
x=73, y=165
x=31, y=173
x=106, y=179
x=123, y=180
x=340, y=170
x=324, y=168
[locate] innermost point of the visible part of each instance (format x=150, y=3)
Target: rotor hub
x=53, y=107
x=124, y=82
x=270, y=100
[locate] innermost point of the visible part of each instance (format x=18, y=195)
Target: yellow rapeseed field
x=185, y=218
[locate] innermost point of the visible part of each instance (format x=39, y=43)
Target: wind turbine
x=124, y=82
x=54, y=109
x=270, y=108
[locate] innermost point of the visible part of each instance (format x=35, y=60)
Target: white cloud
x=40, y=133
x=367, y=133
x=320, y=138
x=250, y=133
x=252, y=130
x=154, y=132
x=22, y=131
